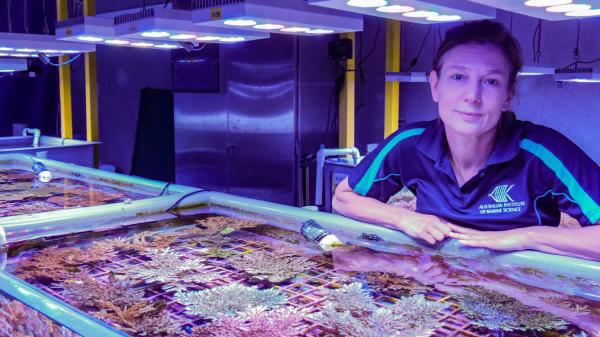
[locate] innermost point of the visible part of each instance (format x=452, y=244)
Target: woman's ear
x=433, y=79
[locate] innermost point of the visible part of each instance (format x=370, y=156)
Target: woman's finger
x=438, y=235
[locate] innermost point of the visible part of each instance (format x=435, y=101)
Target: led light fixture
x=417, y=11
x=29, y=45
x=581, y=75
x=176, y=25
x=99, y=30
x=407, y=76
x=10, y=65
x=535, y=71
x=282, y=16
x=551, y=10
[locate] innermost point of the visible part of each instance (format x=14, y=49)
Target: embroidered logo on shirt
x=500, y=193
x=504, y=203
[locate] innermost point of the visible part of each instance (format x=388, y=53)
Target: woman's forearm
x=580, y=242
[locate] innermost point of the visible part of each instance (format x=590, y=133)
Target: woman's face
x=472, y=88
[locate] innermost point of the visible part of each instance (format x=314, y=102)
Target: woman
x=480, y=175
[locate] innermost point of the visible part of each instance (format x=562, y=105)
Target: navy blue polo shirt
x=532, y=175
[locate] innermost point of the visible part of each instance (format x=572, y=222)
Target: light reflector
x=292, y=17
x=170, y=25
x=544, y=9
x=28, y=45
x=417, y=11
x=96, y=30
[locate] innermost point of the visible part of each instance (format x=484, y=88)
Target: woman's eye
x=457, y=77
x=492, y=81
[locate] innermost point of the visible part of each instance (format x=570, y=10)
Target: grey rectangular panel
x=201, y=140
x=261, y=105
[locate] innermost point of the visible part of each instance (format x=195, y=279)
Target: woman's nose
x=473, y=93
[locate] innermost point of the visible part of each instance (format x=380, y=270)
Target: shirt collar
x=434, y=145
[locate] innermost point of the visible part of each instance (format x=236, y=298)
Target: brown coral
x=277, y=266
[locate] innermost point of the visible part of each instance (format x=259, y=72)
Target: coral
x=18, y=320
x=277, y=266
x=230, y=300
x=220, y=253
x=223, y=225
x=58, y=263
x=121, y=304
x=140, y=242
x=167, y=267
x=10, y=209
x=395, y=285
x=496, y=311
x=350, y=311
x=257, y=322
x=404, y=199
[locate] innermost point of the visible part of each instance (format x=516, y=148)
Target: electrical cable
x=8, y=8
x=45, y=28
x=46, y=60
x=25, y=17
x=414, y=61
x=164, y=189
x=176, y=203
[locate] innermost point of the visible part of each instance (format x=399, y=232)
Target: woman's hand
x=423, y=226
x=509, y=240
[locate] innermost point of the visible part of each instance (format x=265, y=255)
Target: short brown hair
x=482, y=32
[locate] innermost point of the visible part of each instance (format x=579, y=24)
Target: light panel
x=580, y=75
x=417, y=11
x=29, y=45
x=542, y=9
x=100, y=30
x=10, y=65
x=282, y=16
x=176, y=25
x=407, y=76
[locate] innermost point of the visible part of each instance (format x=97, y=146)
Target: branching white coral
x=230, y=300
x=350, y=311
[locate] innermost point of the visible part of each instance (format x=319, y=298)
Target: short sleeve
x=576, y=177
x=379, y=174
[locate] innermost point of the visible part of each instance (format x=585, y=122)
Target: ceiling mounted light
x=581, y=75
x=182, y=37
x=117, y=42
x=285, y=16
x=12, y=65
x=366, y=3
x=546, y=3
x=320, y=31
x=208, y=38
x=535, y=71
x=27, y=45
x=295, y=30
x=240, y=22
x=142, y=44
x=550, y=10
x=177, y=24
x=407, y=76
x=166, y=46
x=568, y=8
x=268, y=26
x=420, y=14
x=155, y=34
x=87, y=38
x=395, y=9
x=99, y=27
x=232, y=39
x=417, y=11
x=581, y=14
x=444, y=18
